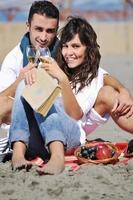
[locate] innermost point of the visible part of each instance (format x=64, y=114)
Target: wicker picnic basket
x=111, y=146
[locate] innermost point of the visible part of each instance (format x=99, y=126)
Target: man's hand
x=26, y=69
x=31, y=76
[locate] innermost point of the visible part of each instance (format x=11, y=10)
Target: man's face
x=42, y=30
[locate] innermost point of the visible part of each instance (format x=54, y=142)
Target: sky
x=98, y=4
x=23, y=5
x=85, y=4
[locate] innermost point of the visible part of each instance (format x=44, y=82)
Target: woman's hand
x=52, y=68
x=123, y=104
x=70, y=103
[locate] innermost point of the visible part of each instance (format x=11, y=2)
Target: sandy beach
x=92, y=182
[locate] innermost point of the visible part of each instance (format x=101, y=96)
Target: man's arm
x=6, y=101
x=10, y=91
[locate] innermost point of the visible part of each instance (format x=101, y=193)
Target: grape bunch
x=88, y=152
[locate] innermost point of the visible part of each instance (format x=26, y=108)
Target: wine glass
x=32, y=54
x=44, y=54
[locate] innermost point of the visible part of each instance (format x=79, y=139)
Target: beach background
x=93, y=182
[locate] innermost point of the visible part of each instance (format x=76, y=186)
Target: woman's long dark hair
x=87, y=71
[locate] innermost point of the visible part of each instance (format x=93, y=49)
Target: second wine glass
x=44, y=53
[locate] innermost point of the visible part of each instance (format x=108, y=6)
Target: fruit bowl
x=101, y=152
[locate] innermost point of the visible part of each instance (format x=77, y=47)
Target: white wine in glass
x=44, y=54
x=32, y=54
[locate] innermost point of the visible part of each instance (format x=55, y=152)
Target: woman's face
x=74, y=52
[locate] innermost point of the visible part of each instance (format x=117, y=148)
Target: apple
x=103, y=152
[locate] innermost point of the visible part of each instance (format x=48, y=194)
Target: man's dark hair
x=43, y=7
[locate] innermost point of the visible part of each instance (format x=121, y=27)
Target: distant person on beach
x=42, y=26
x=89, y=96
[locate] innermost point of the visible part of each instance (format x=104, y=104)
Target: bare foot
x=18, y=158
x=54, y=166
x=19, y=163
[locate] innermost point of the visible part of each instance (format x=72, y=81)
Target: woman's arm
x=111, y=81
x=124, y=100
x=71, y=105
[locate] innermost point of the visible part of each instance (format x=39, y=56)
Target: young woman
x=88, y=96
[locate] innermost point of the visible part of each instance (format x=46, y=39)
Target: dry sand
x=93, y=182
x=89, y=183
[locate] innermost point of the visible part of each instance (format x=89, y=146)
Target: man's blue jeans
x=55, y=126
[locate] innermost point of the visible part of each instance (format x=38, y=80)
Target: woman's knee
x=107, y=95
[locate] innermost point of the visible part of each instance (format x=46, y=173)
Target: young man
x=42, y=27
